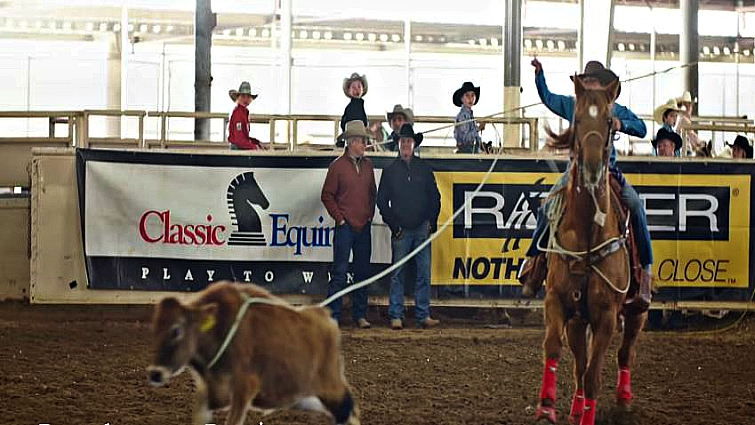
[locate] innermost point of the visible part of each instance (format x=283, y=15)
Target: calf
x=279, y=357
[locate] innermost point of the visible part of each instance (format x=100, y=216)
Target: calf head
x=177, y=329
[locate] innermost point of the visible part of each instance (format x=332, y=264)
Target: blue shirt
x=467, y=133
x=563, y=106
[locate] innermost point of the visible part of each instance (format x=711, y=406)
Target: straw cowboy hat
x=664, y=134
x=659, y=111
x=466, y=87
x=244, y=88
x=742, y=142
x=605, y=76
x=407, y=130
x=685, y=98
x=406, y=112
x=354, y=128
x=347, y=82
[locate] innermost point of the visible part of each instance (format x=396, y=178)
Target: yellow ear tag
x=207, y=324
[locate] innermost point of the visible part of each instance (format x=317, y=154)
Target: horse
x=589, y=264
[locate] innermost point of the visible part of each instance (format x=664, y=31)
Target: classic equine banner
x=173, y=221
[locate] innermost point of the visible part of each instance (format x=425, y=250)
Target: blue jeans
x=411, y=239
x=637, y=217
x=345, y=241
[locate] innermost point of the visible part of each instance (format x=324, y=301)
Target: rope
x=248, y=301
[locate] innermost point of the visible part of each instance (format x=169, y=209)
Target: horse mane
x=564, y=140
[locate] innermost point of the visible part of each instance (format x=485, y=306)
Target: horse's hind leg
x=554, y=328
x=633, y=324
x=603, y=324
x=576, y=333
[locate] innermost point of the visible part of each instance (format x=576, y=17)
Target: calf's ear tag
x=207, y=323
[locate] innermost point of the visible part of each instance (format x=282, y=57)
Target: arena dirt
x=86, y=365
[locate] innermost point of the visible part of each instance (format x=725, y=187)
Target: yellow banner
x=699, y=223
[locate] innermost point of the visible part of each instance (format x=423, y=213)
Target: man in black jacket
x=409, y=202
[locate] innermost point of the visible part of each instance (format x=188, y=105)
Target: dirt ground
x=86, y=365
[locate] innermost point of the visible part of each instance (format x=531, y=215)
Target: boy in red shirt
x=238, y=126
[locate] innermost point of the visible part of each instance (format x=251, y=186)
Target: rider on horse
x=534, y=269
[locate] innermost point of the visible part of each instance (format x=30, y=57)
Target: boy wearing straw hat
x=349, y=195
x=667, y=114
x=238, y=125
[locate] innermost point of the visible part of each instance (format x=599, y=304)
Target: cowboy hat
x=407, y=130
x=467, y=86
x=244, y=88
x=353, y=128
x=685, y=98
x=406, y=112
x=659, y=111
x=664, y=134
x=354, y=76
x=605, y=76
x=744, y=144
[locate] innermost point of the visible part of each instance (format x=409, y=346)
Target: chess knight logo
x=243, y=194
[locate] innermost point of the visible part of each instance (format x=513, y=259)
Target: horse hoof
x=545, y=413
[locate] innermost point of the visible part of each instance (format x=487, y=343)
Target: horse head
x=593, y=119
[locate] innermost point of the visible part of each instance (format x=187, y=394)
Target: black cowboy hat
x=743, y=143
x=467, y=86
x=604, y=75
x=664, y=134
x=407, y=130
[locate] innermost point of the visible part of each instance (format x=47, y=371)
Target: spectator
x=354, y=87
x=396, y=119
x=467, y=131
x=349, y=196
x=666, y=143
x=685, y=120
x=238, y=125
x=409, y=201
x=741, y=148
x=667, y=114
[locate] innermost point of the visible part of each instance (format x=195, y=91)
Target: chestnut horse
x=589, y=264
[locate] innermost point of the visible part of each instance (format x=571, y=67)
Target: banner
x=699, y=226
x=177, y=222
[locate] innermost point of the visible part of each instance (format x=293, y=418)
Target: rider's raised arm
x=561, y=105
x=631, y=124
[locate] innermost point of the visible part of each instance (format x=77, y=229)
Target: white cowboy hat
x=685, y=98
x=244, y=88
x=659, y=111
x=347, y=82
x=354, y=128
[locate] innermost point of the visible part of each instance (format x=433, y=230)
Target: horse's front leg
x=603, y=324
x=576, y=334
x=633, y=324
x=554, y=327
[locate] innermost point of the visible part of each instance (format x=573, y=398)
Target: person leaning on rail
x=534, y=269
x=467, y=131
x=238, y=125
x=349, y=195
x=409, y=202
x=667, y=143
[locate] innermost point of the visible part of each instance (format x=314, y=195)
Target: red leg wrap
x=624, y=387
x=548, y=390
x=577, y=407
x=588, y=417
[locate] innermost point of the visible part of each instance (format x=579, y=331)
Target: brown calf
x=279, y=357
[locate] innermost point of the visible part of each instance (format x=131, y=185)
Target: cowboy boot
x=531, y=275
